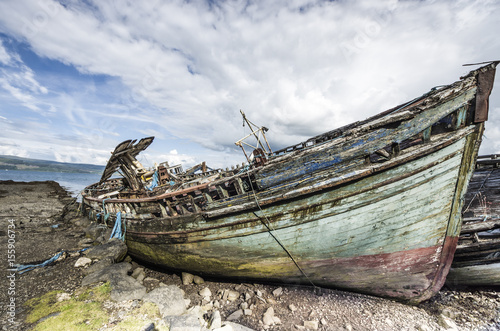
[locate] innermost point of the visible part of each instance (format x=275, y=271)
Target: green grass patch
x=82, y=312
x=42, y=306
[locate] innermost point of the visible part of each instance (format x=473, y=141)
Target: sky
x=79, y=77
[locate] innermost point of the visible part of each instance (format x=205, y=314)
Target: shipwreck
x=372, y=207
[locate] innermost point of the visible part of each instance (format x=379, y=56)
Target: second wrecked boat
x=372, y=207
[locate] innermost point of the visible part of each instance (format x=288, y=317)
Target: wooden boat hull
x=373, y=207
x=392, y=234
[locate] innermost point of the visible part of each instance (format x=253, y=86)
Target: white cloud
x=4, y=56
x=300, y=68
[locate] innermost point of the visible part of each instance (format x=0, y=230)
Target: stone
x=292, y=307
x=149, y=327
x=169, y=299
x=137, y=272
x=140, y=278
x=205, y=293
x=447, y=323
x=323, y=321
x=98, y=266
x=82, y=262
x=115, y=249
x=94, y=231
x=231, y=326
x=244, y=305
x=311, y=325
x=183, y=323
x=187, y=278
x=215, y=320
x=106, y=273
x=235, y=315
x=63, y=297
x=277, y=292
x=268, y=318
x=198, y=280
x=124, y=288
x=232, y=295
x=249, y=312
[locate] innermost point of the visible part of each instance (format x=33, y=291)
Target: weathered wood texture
x=383, y=235
x=477, y=259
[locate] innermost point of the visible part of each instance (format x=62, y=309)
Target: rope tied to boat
x=154, y=182
x=117, y=228
x=22, y=268
x=273, y=234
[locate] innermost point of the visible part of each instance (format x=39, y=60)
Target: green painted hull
x=390, y=234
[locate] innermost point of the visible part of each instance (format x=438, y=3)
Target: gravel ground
x=43, y=227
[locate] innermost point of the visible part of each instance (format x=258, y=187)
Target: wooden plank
x=355, y=145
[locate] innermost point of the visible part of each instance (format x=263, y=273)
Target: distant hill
x=8, y=162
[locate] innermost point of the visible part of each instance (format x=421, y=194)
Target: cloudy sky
x=78, y=77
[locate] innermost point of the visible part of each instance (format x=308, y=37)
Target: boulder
x=169, y=299
x=115, y=249
x=94, y=231
x=124, y=288
x=106, y=273
x=98, y=265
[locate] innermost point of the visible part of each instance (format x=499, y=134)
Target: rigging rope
x=117, y=228
x=22, y=268
x=275, y=236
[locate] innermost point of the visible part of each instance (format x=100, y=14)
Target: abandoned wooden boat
x=372, y=207
x=477, y=259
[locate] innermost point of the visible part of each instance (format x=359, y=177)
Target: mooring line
x=267, y=225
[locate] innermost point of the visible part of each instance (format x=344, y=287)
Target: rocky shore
x=102, y=288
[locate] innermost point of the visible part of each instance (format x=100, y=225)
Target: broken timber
x=477, y=260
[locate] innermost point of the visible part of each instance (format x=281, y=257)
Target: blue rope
x=154, y=182
x=22, y=268
x=117, y=228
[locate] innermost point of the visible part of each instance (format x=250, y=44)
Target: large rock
x=94, y=231
x=105, y=274
x=99, y=265
x=170, y=300
x=115, y=249
x=183, y=323
x=123, y=287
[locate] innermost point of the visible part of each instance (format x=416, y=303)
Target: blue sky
x=78, y=77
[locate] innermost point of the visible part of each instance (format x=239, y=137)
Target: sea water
x=73, y=182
